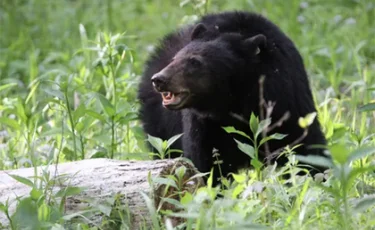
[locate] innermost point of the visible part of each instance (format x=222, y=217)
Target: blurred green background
x=52, y=62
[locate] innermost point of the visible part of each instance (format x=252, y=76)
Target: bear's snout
x=159, y=81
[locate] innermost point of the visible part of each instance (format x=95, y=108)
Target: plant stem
x=82, y=147
x=345, y=198
x=113, y=144
x=114, y=84
x=72, y=124
x=128, y=137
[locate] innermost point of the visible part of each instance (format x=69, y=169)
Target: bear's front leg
x=197, y=144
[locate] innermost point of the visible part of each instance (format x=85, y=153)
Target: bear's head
x=203, y=73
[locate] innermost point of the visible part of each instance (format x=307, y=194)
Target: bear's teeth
x=171, y=98
x=168, y=96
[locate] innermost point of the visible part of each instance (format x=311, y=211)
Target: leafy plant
x=163, y=147
x=256, y=127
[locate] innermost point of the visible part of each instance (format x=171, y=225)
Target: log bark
x=101, y=179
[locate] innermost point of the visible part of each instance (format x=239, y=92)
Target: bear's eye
x=195, y=62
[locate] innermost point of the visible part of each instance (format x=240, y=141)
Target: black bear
x=205, y=76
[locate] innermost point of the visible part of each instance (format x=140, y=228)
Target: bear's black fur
x=209, y=72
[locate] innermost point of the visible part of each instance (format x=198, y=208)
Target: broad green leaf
x=340, y=153
x=156, y=142
x=278, y=136
x=21, y=111
x=239, y=178
x=22, y=180
x=186, y=198
x=131, y=116
x=253, y=123
x=263, y=125
x=173, y=139
x=95, y=115
x=248, y=149
x=55, y=93
x=365, y=203
x=332, y=191
x=69, y=191
x=79, y=112
x=180, y=172
x=10, y=123
x=231, y=129
x=199, y=175
x=26, y=215
x=164, y=145
x=173, y=202
x=165, y=181
x=79, y=127
x=6, y=86
x=275, y=136
x=108, y=108
x=315, y=160
x=339, y=130
x=99, y=154
x=35, y=194
x=105, y=209
x=361, y=152
x=3, y=207
x=238, y=190
x=256, y=163
x=306, y=121
x=368, y=107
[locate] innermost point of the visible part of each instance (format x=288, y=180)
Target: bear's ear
x=197, y=31
x=256, y=43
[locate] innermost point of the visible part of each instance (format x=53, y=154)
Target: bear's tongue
x=170, y=98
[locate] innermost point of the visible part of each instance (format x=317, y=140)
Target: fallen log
x=101, y=179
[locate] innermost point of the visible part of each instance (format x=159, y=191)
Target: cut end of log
x=103, y=179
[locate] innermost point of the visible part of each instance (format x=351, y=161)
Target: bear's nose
x=158, y=81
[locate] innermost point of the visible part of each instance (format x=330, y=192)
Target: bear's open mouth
x=174, y=100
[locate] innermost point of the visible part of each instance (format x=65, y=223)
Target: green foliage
x=257, y=127
x=44, y=205
x=68, y=78
x=341, y=184
x=163, y=147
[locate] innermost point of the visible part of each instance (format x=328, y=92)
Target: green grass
x=68, y=77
